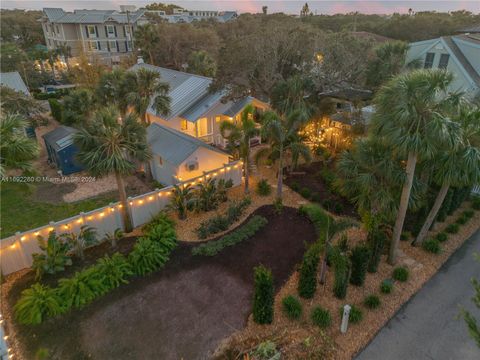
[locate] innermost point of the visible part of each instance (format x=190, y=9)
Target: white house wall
x=163, y=174
x=207, y=160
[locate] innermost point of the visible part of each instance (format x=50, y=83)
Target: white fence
x=476, y=189
x=16, y=251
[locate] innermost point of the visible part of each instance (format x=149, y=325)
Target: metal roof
x=172, y=145
x=14, y=81
x=463, y=57
x=202, y=106
x=233, y=108
x=472, y=29
x=60, y=138
x=57, y=15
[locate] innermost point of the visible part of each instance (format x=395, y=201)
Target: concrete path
x=427, y=326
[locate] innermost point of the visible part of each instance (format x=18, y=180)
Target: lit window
x=218, y=119
x=91, y=31
x=183, y=125
x=429, y=60
x=443, y=63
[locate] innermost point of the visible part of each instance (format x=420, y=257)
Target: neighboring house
x=61, y=150
x=14, y=81
x=194, y=110
x=188, y=16
x=105, y=33
x=459, y=54
x=178, y=157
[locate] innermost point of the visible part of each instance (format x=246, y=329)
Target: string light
x=37, y=233
x=13, y=246
x=65, y=227
x=140, y=202
x=102, y=214
x=51, y=229
x=80, y=220
x=23, y=238
x=90, y=217
x=222, y=170
x=150, y=198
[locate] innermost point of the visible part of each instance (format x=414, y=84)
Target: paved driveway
x=427, y=326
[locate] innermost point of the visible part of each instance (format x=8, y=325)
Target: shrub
x=147, y=256
x=37, y=303
x=359, y=260
x=292, y=307
x=266, y=350
x=441, y=237
x=56, y=109
x=386, y=286
x=278, y=205
x=341, y=267
x=356, y=314
x=305, y=192
x=338, y=208
x=114, y=237
x=320, y=219
x=82, y=288
x=79, y=242
x=114, y=271
x=343, y=243
x=461, y=220
x=476, y=203
x=400, y=273
x=328, y=176
x=372, y=301
x=181, y=201
x=307, y=282
x=376, y=240
x=432, y=246
x=316, y=197
x=452, y=228
x=295, y=186
x=468, y=213
x=264, y=296
x=54, y=257
x=321, y=317
x=405, y=236
x=263, y=188
x=212, y=248
x=206, y=197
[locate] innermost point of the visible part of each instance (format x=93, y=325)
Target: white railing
x=16, y=251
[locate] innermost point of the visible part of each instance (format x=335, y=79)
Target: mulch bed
x=306, y=176
x=181, y=311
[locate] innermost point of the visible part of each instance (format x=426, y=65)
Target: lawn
x=21, y=210
x=181, y=311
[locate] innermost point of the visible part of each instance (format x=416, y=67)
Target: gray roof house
x=14, y=81
x=459, y=54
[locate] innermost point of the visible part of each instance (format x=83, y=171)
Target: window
x=218, y=119
x=91, y=31
x=93, y=46
x=112, y=44
x=443, y=63
x=429, y=60
x=183, y=125
x=110, y=30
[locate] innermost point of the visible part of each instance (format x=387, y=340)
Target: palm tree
x=111, y=145
x=389, y=61
x=111, y=89
x=457, y=166
x=16, y=149
x=282, y=136
x=146, y=38
x=181, y=200
x=201, y=63
x=410, y=117
x=239, y=136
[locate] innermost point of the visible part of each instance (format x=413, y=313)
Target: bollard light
x=345, y=317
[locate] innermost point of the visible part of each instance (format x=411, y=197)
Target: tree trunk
x=146, y=165
x=432, y=214
x=402, y=210
x=127, y=221
x=246, y=167
x=151, y=57
x=280, y=174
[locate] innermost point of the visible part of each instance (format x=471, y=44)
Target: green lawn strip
x=242, y=233
x=19, y=212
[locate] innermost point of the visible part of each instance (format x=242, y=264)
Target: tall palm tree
x=145, y=88
x=111, y=89
x=16, y=149
x=282, y=136
x=147, y=37
x=410, y=117
x=239, y=136
x=457, y=166
x=201, y=63
x=110, y=145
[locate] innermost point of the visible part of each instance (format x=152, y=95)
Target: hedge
x=359, y=259
x=307, y=282
x=264, y=296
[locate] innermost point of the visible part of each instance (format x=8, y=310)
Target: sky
x=254, y=6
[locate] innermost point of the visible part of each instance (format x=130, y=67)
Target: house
x=188, y=16
x=14, y=81
x=107, y=34
x=459, y=54
x=61, y=150
x=177, y=156
x=194, y=109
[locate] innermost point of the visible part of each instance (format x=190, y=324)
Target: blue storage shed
x=61, y=149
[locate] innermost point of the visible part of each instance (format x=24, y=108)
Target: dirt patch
x=182, y=311
x=53, y=193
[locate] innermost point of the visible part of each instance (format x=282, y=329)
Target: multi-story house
x=107, y=34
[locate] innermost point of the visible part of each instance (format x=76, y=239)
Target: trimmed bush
x=82, y=288
x=292, y=307
x=307, y=282
x=263, y=188
x=242, y=233
x=400, y=273
x=341, y=267
x=305, y=192
x=264, y=296
x=376, y=240
x=468, y=213
x=386, y=286
x=147, y=256
x=405, y=236
x=356, y=314
x=461, y=220
x=321, y=317
x=432, y=246
x=37, y=303
x=452, y=228
x=372, y=301
x=56, y=109
x=114, y=271
x=441, y=237
x=476, y=203
x=359, y=260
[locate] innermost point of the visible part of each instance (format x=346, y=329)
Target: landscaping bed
x=309, y=180
x=182, y=310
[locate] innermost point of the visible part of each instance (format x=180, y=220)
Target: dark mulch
x=185, y=309
x=307, y=176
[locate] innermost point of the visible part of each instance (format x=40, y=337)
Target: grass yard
x=21, y=209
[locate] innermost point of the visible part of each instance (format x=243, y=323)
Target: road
x=427, y=326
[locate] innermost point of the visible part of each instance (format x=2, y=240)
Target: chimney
x=140, y=60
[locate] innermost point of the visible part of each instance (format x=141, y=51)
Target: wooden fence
x=16, y=251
